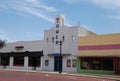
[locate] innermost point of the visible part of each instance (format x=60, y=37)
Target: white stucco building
x=44, y=54
x=69, y=50
x=22, y=55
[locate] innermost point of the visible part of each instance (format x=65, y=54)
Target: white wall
x=28, y=46
x=68, y=46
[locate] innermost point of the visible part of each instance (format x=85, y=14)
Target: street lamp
x=60, y=57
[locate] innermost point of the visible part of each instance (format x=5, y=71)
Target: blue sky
x=26, y=20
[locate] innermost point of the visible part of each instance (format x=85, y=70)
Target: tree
x=2, y=44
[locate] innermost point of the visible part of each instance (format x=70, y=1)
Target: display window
x=97, y=63
x=74, y=63
x=68, y=63
x=46, y=62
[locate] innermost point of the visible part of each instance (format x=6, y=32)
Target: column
x=0, y=62
x=25, y=62
x=41, y=63
x=11, y=62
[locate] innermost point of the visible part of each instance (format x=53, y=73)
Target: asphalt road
x=35, y=76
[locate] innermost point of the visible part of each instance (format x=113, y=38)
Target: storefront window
x=18, y=61
x=107, y=64
x=85, y=63
x=68, y=63
x=4, y=61
x=74, y=63
x=46, y=62
x=38, y=61
x=97, y=63
x=34, y=61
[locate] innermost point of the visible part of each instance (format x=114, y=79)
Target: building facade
x=64, y=48
x=22, y=55
x=68, y=36
x=99, y=54
x=46, y=54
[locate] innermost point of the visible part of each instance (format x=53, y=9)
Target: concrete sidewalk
x=101, y=76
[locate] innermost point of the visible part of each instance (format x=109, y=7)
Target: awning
x=58, y=54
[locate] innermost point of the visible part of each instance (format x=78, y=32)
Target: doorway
x=58, y=63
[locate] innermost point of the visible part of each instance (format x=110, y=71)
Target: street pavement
x=22, y=75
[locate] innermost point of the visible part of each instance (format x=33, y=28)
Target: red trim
x=100, y=47
x=19, y=47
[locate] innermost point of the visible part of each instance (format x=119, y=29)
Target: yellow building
x=99, y=54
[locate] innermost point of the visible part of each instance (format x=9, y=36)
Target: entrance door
x=58, y=63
